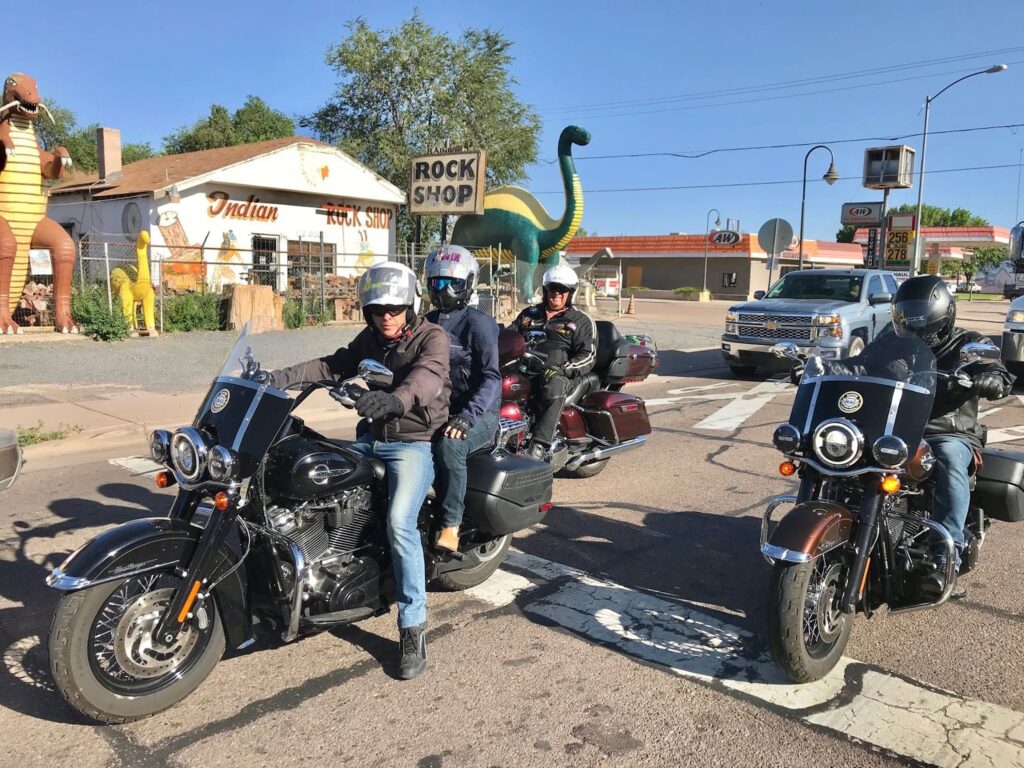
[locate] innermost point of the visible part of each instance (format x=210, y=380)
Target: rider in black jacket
x=924, y=307
x=570, y=346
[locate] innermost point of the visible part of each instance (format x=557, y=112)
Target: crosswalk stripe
x=137, y=465
x=902, y=716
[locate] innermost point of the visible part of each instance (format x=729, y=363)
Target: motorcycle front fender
x=810, y=529
x=157, y=545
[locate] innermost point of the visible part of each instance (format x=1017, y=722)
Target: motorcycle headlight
x=890, y=451
x=189, y=453
x=838, y=443
x=222, y=463
x=786, y=438
x=160, y=446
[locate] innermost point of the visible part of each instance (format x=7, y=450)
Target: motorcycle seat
x=608, y=342
x=581, y=387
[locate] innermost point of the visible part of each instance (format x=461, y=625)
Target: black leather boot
x=413, y=644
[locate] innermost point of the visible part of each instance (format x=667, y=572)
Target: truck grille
x=792, y=319
x=760, y=332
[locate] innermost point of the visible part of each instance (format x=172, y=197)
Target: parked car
x=829, y=312
x=971, y=287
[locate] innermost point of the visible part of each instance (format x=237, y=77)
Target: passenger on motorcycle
x=398, y=426
x=450, y=274
x=925, y=308
x=570, y=346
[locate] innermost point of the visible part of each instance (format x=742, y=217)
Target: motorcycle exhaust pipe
x=596, y=454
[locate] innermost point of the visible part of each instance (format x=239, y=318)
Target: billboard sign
x=451, y=182
x=862, y=214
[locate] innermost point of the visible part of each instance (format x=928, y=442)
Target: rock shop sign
x=452, y=182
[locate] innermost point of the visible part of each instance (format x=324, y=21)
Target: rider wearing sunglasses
x=570, y=346
x=399, y=424
x=450, y=274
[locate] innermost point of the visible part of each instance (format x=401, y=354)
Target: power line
x=770, y=183
x=788, y=83
x=792, y=145
x=633, y=113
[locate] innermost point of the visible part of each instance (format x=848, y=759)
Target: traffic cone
x=631, y=308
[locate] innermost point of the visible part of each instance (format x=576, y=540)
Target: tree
x=846, y=233
x=81, y=142
x=253, y=121
x=410, y=90
x=987, y=258
x=933, y=216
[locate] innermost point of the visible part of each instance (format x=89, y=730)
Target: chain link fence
x=316, y=282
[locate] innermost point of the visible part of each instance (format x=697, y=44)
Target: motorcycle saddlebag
x=999, y=488
x=632, y=362
x=615, y=416
x=505, y=491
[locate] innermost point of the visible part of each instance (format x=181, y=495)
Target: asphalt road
x=627, y=630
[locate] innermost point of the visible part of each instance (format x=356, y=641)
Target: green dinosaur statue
x=514, y=219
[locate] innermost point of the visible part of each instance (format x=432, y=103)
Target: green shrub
x=94, y=318
x=686, y=290
x=293, y=315
x=192, y=312
x=634, y=288
x=40, y=434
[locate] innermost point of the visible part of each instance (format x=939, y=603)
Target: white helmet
x=389, y=284
x=561, y=274
x=450, y=275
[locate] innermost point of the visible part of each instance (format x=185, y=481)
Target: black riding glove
x=553, y=370
x=990, y=385
x=457, y=427
x=379, y=405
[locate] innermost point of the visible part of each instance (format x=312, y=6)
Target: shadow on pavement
x=25, y=684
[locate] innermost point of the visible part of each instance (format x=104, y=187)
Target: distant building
x=666, y=262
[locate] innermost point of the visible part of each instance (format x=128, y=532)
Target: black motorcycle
x=860, y=534
x=274, y=524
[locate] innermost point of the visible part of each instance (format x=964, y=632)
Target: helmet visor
x=557, y=288
x=912, y=318
x=440, y=283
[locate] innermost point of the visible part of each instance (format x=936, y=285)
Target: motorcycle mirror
x=979, y=352
x=785, y=349
x=10, y=458
x=375, y=374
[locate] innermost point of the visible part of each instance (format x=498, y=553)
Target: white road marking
x=989, y=412
x=901, y=716
x=137, y=465
x=732, y=416
x=680, y=394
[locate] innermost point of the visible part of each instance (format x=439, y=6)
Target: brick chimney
x=108, y=149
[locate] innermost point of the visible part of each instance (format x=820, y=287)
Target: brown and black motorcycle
x=860, y=533
x=599, y=419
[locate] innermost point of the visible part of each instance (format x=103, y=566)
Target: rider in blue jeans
x=450, y=274
x=924, y=307
x=399, y=424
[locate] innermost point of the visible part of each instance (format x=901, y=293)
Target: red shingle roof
x=158, y=172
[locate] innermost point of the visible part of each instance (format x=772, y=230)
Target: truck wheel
x=856, y=346
x=742, y=371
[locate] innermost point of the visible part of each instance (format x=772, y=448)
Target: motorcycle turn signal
x=787, y=468
x=890, y=484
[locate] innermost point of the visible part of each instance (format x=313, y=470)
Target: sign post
x=774, y=237
x=898, y=244
x=452, y=182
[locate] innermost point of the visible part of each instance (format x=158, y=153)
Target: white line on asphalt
x=732, y=416
x=989, y=412
x=881, y=709
x=137, y=465
x=1005, y=435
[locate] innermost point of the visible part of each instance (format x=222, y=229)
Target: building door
x=264, y=260
x=634, y=276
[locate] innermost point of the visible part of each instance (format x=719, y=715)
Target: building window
x=264, y=260
x=728, y=279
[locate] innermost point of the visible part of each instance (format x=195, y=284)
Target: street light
x=830, y=177
x=924, y=145
x=707, y=235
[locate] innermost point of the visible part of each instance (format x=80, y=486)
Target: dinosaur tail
x=558, y=238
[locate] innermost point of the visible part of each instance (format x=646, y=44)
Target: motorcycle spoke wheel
x=823, y=621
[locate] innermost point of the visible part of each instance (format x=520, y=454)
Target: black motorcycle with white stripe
x=273, y=524
x=859, y=534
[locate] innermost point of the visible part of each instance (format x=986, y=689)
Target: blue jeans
x=410, y=473
x=452, y=473
x=952, y=485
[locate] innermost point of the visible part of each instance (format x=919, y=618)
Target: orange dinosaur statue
x=23, y=222
x=134, y=286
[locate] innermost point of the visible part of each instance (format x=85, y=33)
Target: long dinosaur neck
x=557, y=238
x=140, y=252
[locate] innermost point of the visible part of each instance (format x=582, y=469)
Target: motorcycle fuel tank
x=515, y=388
x=299, y=468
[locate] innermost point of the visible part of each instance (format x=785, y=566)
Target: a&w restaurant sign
x=725, y=237
x=448, y=183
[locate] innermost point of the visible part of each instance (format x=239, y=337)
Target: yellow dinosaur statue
x=134, y=286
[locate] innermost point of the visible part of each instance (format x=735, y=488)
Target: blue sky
x=627, y=72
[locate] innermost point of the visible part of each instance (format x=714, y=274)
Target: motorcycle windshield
x=240, y=413
x=886, y=390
